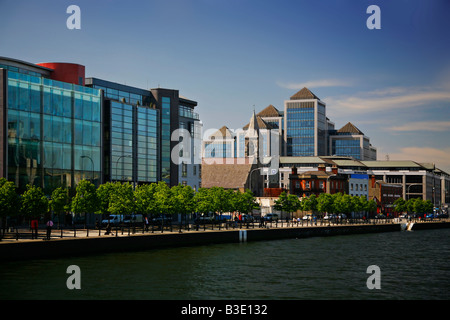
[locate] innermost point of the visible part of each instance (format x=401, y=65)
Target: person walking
x=49, y=228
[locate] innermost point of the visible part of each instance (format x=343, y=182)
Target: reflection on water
x=414, y=265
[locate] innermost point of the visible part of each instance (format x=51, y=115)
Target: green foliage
x=121, y=199
x=34, y=203
x=288, y=203
x=60, y=201
x=85, y=199
x=9, y=200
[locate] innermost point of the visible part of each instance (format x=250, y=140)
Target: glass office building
x=305, y=125
x=131, y=125
x=58, y=127
x=53, y=131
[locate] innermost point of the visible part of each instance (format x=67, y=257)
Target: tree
x=122, y=199
x=104, y=192
x=85, y=199
x=325, y=203
x=34, y=204
x=183, y=197
x=60, y=202
x=400, y=205
x=203, y=201
x=163, y=200
x=245, y=202
x=288, y=203
x=9, y=201
x=145, y=199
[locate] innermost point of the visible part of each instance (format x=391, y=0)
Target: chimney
x=373, y=181
x=334, y=169
x=321, y=167
x=294, y=170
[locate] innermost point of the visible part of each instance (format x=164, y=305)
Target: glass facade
x=300, y=128
x=346, y=147
x=121, y=132
x=165, y=139
x=54, y=132
x=147, y=144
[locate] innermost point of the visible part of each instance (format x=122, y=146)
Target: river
x=412, y=265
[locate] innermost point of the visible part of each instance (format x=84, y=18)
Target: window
x=183, y=169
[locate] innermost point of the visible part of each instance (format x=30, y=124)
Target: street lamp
x=92, y=165
x=117, y=162
x=250, y=176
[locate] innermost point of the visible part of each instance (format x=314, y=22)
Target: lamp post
x=250, y=176
x=117, y=162
x=92, y=165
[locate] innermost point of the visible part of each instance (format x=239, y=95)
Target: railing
x=25, y=233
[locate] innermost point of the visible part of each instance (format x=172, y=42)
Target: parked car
x=247, y=218
x=159, y=219
x=113, y=220
x=271, y=217
x=135, y=218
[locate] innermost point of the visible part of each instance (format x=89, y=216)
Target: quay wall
x=66, y=247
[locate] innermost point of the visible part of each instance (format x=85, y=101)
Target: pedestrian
x=108, y=229
x=49, y=228
x=146, y=223
x=34, y=229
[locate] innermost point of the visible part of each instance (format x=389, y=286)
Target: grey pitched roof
x=350, y=128
x=305, y=93
x=269, y=111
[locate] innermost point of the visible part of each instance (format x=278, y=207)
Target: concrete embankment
x=66, y=247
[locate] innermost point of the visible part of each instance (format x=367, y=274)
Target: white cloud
x=387, y=99
x=315, y=84
x=440, y=157
x=435, y=126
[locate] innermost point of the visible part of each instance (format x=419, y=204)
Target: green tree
x=163, y=201
x=287, y=202
x=203, y=201
x=245, y=202
x=145, y=199
x=371, y=206
x=60, y=202
x=104, y=192
x=9, y=201
x=34, y=204
x=183, y=197
x=325, y=203
x=122, y=199
x=400, y=205
x=85, y=200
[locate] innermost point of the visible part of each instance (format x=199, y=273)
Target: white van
x=114, y=219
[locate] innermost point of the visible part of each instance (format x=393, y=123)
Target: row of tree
x=325, y=203
x=413, y=205
x=122, y=198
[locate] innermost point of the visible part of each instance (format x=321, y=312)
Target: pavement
x=24, y=234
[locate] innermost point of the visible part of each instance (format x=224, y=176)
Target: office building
x=59, y=127
x=351, y=142
x=305, y=124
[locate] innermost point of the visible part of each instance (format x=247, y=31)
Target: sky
x=236, y=56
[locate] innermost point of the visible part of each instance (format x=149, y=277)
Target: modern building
x=59, y=127
x=351, y=142
x=306, y=125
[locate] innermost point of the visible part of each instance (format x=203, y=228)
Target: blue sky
x=235, y=55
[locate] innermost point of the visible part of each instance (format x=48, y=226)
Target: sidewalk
x=24, y=234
